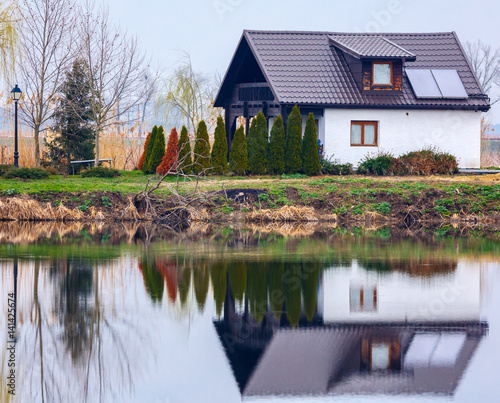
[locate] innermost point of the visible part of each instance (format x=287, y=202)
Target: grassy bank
x=348, y=198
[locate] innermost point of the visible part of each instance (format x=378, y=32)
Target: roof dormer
x=375, y=62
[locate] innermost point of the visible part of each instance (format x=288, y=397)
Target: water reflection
x=289, y=317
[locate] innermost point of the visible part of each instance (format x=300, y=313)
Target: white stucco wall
x=402, y=297
x=401, y=131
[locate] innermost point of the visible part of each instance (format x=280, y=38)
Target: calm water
x=134, y=314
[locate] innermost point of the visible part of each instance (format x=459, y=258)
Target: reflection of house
x=411, y=359
x=375, y=333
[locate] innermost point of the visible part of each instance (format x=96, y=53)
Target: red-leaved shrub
x=169, y=160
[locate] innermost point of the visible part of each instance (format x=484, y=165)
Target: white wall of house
x=401, y=297
x=401, y=131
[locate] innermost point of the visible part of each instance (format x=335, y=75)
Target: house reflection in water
x=396, y=332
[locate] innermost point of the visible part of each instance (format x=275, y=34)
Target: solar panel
x=423, y=83
x=450, y=84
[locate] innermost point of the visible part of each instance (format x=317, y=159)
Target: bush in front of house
x=157, y=152
x=185, y=163
x=238, y=157
x=377, y=164
x=310, y=157
x=218, y=159
x=257, y=145
x=330, y=168
x=293, y=142
x=100, y=172
x=276, y=155
x=169, y=160
x=26, y=173
x=201, y=150
x=149, y=149
x=427, y=161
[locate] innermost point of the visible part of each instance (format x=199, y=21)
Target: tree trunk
x=96, y=163
x=37, y=146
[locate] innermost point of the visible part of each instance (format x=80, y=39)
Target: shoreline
x=352, y=205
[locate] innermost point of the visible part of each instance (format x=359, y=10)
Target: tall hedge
x=276, y=156
x=201, y=149
x=238, y=157
x=158, y=151
x=218, y=160
x=310, y=156
x=143, y=156
x=169, y=160
x=149, y=149
x=257, y=143
x=185, y=160
x=293, y=142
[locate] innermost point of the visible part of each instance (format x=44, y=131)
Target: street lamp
x=16, y=95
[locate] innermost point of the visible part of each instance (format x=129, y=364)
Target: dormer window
x=382, y=73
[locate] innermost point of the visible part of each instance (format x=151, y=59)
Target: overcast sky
x=210, y=29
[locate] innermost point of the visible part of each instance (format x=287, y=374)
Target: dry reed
x=284, y=214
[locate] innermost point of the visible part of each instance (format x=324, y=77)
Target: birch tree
x=47, y=50
x=118, y=70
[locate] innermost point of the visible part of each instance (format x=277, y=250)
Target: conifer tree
x=310, y=156
x=74, y=138
x=276, y=156
x=158, y=151
x=239, y=154
x=185, y=161
x=257, y=143
x=218, y=161
x=169, y=160
x=201, y=149
x=149, y=149
x=293, y=142
x=143, y=156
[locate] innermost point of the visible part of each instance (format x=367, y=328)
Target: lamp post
x=16, y=95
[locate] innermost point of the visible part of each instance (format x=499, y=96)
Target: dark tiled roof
x=303, y=67
x=372, y=46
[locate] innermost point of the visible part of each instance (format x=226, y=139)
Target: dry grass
x=125, y=151
x=284, y=214
x=17, y=209
x=202, y=215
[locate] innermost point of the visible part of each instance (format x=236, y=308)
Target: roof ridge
x=449, y=33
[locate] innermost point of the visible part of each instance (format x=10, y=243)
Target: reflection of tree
x=201, y=279
x=184, y=283
x=276, y=296
x=238, y=279
x=292, y=279
x=257, y=289
x=153, y=281
x=168, y=270
x=76, y=287
x=310, y=276
x=218, y=273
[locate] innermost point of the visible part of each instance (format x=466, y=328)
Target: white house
x=368, y=92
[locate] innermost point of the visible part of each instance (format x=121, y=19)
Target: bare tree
x=187, y=96
x=485, y=62
x=117, y=68
x=47, y=49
